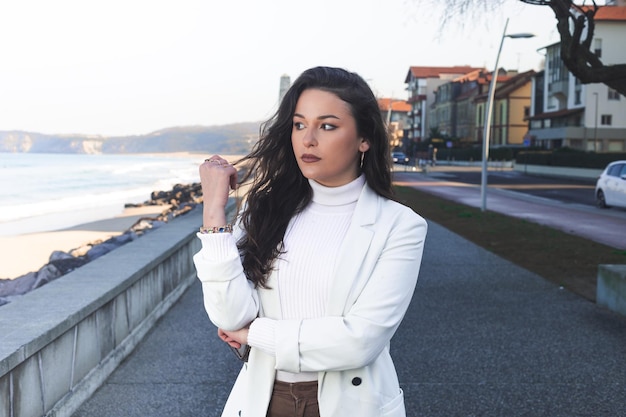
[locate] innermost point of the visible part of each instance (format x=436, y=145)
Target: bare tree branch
x=576, y=27
x=572, y=20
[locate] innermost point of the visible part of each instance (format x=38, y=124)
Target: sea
x=42, y=192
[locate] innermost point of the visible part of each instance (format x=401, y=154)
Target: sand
x=29, y=252
x=25, y=253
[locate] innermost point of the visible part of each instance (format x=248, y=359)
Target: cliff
x=232, y=139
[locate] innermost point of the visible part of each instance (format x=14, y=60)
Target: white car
x=611, y=186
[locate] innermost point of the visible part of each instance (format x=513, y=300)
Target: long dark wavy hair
x=278, y=190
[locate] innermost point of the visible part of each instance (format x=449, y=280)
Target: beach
x=29, y=252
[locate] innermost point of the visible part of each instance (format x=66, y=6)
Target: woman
x=322, y=264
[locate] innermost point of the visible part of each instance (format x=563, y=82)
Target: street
x=565, y=190
x=564, y=204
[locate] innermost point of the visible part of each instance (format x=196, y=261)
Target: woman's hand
x=217, y=178
x=234, y=339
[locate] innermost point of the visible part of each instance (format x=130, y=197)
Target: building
x=285, y=83
x=452, y=115
x=396, y=114
x=511, y=108
x=566, y=113
x=457, y=113
x=421, y=85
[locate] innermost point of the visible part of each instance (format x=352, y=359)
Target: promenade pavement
x=482, y=337
x=604, y=226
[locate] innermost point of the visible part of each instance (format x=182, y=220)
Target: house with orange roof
x=470, y=85
x=422, y=81
x=395, y=112
x=454, y=106
x=457, y=113
x=588, y=117
x=511, y=108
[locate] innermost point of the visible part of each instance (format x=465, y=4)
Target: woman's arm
x=230, y=300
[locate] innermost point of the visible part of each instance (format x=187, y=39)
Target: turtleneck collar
x=337, y=196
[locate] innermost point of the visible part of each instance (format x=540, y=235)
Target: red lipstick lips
x=309, y=158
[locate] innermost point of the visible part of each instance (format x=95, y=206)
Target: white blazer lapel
x=353, y=250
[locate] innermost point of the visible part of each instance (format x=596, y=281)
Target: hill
x=228, y=139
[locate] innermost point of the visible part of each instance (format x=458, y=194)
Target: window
x=606, y=120
x=597, y=47
x=613, y=94
x=614, y=171
x=577, y=91
x=578, y=121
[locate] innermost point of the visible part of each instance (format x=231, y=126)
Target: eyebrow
x=322, y=117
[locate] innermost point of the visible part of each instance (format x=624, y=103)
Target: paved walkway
x=483, y=337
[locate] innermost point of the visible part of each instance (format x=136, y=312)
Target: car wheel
x=600, y=201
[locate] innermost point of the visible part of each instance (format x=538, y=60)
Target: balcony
x=559, y=88
x=416, y=97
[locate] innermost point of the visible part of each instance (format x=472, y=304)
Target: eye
x=327, y=126
x=298, y=125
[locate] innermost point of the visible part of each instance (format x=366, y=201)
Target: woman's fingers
x=226, y=338
x=217, y=178
x=219, y=168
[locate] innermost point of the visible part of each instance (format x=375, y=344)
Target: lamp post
x=488, y=111
x=595, y=126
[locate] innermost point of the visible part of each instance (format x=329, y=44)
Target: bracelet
x=217, y=229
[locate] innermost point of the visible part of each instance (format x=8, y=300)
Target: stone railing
x=59, y=343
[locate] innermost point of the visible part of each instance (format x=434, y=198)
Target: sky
x=131, y=67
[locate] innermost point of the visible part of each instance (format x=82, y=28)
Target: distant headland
x=235, y=138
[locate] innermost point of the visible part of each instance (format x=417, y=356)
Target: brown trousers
x=294, y=400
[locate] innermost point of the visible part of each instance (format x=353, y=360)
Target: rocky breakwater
x=180, y=200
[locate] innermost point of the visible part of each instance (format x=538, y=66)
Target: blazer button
x=356, y=381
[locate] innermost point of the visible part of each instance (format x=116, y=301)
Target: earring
x=362, y=158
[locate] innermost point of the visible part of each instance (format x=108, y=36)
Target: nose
x=309, y=138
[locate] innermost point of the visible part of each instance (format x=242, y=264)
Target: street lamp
x=488, y=110
x=595, y=126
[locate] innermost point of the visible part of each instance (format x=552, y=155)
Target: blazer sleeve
x=230, y=299
x=356, y=339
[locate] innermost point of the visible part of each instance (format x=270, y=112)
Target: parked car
x=611, y=186
x=399, y=158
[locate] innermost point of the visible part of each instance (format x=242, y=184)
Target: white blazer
x=371, y=290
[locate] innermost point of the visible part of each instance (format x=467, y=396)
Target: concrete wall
x=60, y=342
x=583, y=173
x=543, y=170
x=611, y=288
